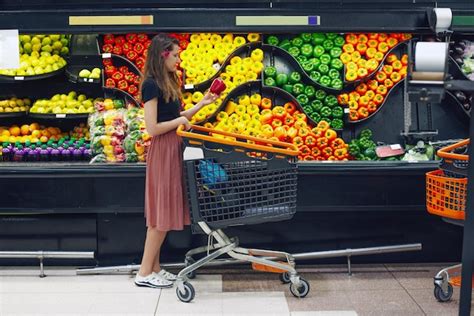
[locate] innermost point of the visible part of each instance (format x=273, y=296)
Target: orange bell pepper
x=388, y=83
x=310, y=141
x=382, y=37
x=288, y=120
x=378, y=99
x=323, y=125
x=304, y=150
x=308, y=158
x=327, y=152
x=387, y=69
x=340, y=153
x=380, y=76
x=373, y=84
x=361, y=48
x=348, y=48
x=354, y=95
x=353, y=105
x=373, y=36
x=315, y=152
x=372, y=107
x=378, y=56
x=383, y=47
x=300, y=116
x=382, y=90
x=277, y=123
x=403, y=71
x=370, y=94
x=279, y=112
x=361, y=89
x=391, y=58
x=362, y=38
x=364, y=101
x=343, y=98
x=266, y=103
x=397, y=65
x=330, y=134
x=404, y=59
x=290, y=107
x=338, y=143
x=373, y=44
x=363, y=113
x=299, y=124
x=353, y=115
x=322, y=142
x=303, y=132
x=351, y=38
x=392, y=41
x=395, y=77
x=362, y=73
x=298, y=141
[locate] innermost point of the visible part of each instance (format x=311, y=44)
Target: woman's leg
x=153, y=242
x=156, y=263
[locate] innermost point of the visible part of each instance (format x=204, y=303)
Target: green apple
x=94, y=75
x=35, y=40
x=35, y=54
x=72, y=95
x=39, y=70
x=46, y=41
x=84, y=73
x=25, y=38
x=48, y=68
x=30, y=71
x=64, y=50
x=87, y=103
x=55, y=66
x=56, y=97
x=57, y=45
x=46, y=48
x=55, y=37
x=81, y=97
x=36, y=47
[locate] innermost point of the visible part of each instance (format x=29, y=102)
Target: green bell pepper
x=309, y=91
x=320, y=94
x=316, y=62
x=365, y=143
x=317, y=105
x=370, y=153
x=285, y=44
x=323, y=69
x=337, y=112
x=273, y=40
x=301, y=59
x=316, y=117
x=281, y=79
x=318, y=38
x=308, y=109
x=302, y=99
x=367, y=133
x=333, y=74
x=294, y=51
x=328, y=44
x=270, y=72
x=297, y=41
x=331, y=35
x=337, y=123
x=288, y=88
x=325, y=59
x=339, y=41
x=308, y=66
x=306, y=37
x=325, y=81
x=337, y=64
x=307, y=50
x=270, y=82
x=295, y=77
x=354, y=149
x=318, y=50
x=325, y=111
x=315, y=75
x=298, y=88
x=335, y=52
x=337, y=84
x=331, y=100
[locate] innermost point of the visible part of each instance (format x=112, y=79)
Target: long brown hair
x=167, y=81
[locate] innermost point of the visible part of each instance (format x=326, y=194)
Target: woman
x=165, y=205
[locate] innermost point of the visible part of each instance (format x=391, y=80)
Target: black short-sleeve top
x=167, y=111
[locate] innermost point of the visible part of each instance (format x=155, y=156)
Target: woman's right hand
x=182, y=120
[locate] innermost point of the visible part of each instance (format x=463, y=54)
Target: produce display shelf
x=59, y=116
x=458, y=104
x=12, y=114
x=72, y=73
x=58, y=72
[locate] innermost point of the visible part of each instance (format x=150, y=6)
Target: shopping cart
x=446, y=192
x=242, y=180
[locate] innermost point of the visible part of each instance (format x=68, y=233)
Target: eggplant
x=460, y=96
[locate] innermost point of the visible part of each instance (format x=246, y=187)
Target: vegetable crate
x=242, y=180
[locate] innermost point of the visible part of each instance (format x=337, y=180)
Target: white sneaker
x=165, y=275
x=152, y=281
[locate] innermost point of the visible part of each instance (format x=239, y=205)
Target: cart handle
x=288, y=149
x=445, y=151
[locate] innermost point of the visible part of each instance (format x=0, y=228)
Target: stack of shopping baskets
x=446, y=192
x=241, y=180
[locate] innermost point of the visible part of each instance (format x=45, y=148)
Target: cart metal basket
x=446, y=192
x=242, y=180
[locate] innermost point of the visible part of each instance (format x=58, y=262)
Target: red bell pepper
x=315, y=152
x=338, y=143
x=132, y=55
x=107, y=61
x=107, y=48
x=137, y=80
x=117, y=76
x=290, y=107
x=139, y=48
x=110, y=70
x=117, y=50
x=124, y=69
x=140, y=62
x=304, y=150
x=142, y=38
x=122, y=85
x=120, y=40
x=147, y=44
x=353, y=115
x=322, y=142
x=110, y=83
x=372, y=107
x=130, y=77
x=327, y=152
x=308, y=158
x=109, y=39
x=131, y=38
x=310, y=141
x=361, y=89
x=127, y=47
x=289, y=120
x=132, y=89
x=298, y=141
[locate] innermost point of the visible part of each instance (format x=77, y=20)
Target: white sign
x=9, y=49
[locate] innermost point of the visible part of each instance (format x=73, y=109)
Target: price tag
x=395, y=147
x=60, y=115
x=216, y=66
x=19, y=78
x=189, y=86
x=91, y=80
x=106, y=55
x=346, y=110
x=327, y=161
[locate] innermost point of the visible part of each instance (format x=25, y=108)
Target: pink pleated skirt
x=166, y=206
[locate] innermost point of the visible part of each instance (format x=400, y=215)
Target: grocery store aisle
x=371, y=290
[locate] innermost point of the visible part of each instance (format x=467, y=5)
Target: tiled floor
x=371, y=290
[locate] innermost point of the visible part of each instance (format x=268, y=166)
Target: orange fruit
x=6, y=133
x=43, y=139
x=34, y=127
x=25, y=129
x=15, y=131
x=36, y=133
x=46, y=133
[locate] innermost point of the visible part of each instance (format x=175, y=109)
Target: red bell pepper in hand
x=107, y=48
x=131, y=38
x=132, y=55
x=109, y=39
x=122, y=85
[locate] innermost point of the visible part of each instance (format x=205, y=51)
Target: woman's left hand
x=209, y=98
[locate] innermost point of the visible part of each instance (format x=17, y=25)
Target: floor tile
x=320, y=301
x=262, y=303
x=383, y=302
x=203, y=303
x=325, y=313
x=125, y=303
x=47, y=303
x=429, y=304
x=416, y=277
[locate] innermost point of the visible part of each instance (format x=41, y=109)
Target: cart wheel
x=441, y=296
x=302, y=290
x=188, y=294
x=285, y=278
x=191, y=275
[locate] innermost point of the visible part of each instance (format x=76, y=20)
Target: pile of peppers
x=363, y=147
